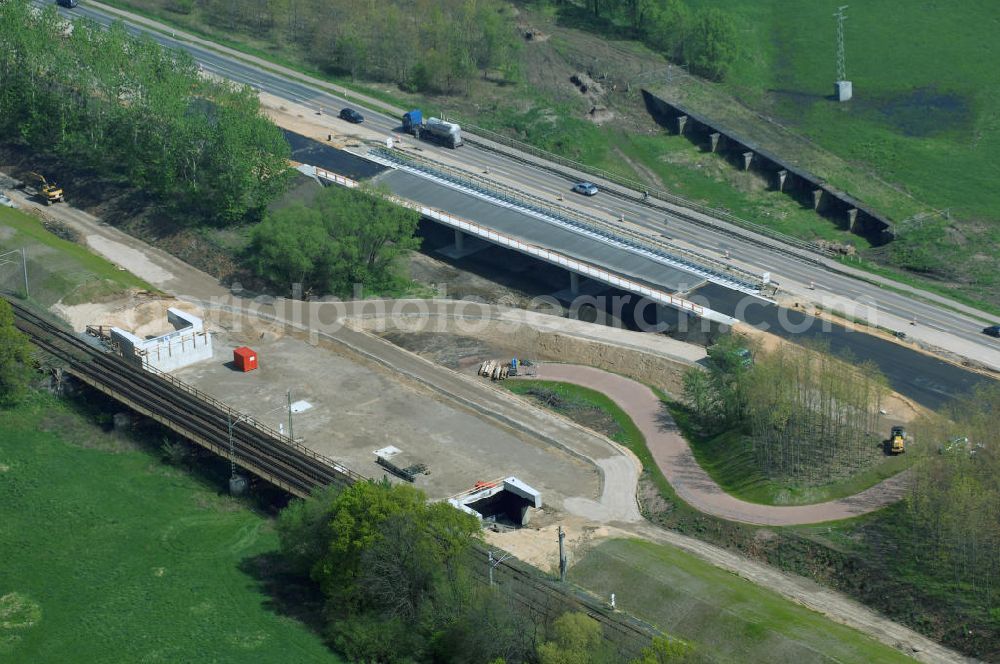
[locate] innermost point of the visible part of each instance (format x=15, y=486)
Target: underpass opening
x=507, y=502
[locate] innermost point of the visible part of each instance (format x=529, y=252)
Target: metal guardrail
x=472, y=131
x=692, y=261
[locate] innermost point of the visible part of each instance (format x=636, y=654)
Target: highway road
x=925, y=379
x=895, y=309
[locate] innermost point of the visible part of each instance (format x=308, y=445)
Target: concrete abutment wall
x=809, y=190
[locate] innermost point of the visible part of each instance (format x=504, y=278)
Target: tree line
x=427, y=45
x=123, y=106
x=809, y=416
x=397, y=576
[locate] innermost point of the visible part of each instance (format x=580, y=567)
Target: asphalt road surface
x=913, y=374
x=517, y=224
x=533, y=178
x=925, y=379
x=308, y=151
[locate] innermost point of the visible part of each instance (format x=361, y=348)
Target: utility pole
x=9, y=259
x=493, y=562
x=562, y=555
x=842, y=88
x=237, y=484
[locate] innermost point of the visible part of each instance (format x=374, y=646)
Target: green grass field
x=581, y=405
x=57, y=269
x=111, y=556
x=925, y=115
x=926, y=107
x=728, y=618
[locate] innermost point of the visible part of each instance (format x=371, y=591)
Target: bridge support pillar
x=713, y=141
x=817, y=198
x=681, y=121
x=782, y=174
x=664, y=318
x=747, y=158
x=574, y=283
x=465, y=245
x=852, y=218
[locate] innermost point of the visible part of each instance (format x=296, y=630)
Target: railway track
x=185, y=411
x=279, y=460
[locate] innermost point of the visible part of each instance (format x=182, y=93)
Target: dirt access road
x=675, y=459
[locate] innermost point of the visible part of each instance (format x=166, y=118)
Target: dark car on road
x=67, y=3
x=351, y=115
x=992, y=330
x=585, y=188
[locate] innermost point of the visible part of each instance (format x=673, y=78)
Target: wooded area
x=123, y=106
x=953, y=534
x=15, y=358
x=427, y=45
x=441, y=46
x=705, y=40
x=811, y=418
x=344, y=237
x=396, y=572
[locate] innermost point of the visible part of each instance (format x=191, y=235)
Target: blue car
x=585, y=188
x=992, y=330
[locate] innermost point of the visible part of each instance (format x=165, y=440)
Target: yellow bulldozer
x=897, y=441
x=50, y=191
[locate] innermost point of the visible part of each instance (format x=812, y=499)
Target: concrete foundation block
x=122, y=421
x=843, y=90
x=188, y=344
x=237, y=485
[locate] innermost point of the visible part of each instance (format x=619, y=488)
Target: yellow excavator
x=50, y=191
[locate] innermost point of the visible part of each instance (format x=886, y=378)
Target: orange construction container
x=245, y=359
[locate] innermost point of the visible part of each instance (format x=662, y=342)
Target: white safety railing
x=550, y=256
x=658, y=251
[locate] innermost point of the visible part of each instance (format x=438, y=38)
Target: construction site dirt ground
x=356, y=408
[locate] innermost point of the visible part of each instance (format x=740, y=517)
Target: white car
x=585, y=188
